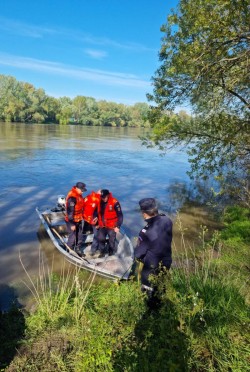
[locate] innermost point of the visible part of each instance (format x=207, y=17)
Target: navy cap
x=147, y=204
x=81, y=186
x=104, y=193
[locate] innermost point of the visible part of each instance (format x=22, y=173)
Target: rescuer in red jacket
x=74, y=216
x=90, y=216
x=110, y=219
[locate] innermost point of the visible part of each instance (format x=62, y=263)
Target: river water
x=40, y=162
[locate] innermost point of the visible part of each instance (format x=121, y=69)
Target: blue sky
x=106, y=49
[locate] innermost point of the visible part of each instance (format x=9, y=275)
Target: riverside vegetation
x=22, y=102
x=203, y=322
x=201, y=325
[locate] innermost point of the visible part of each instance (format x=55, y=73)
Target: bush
x=237, y=224
x=237, y=229
x=236, y=213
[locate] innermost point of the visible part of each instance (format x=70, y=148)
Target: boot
x=101, y=255
x=79, y=251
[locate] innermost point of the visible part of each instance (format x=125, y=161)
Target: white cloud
x=34, y=31
x=22, y=29
x=96, y=54
x=103, y=41
x=94, y=75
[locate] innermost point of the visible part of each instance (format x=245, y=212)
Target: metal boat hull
x=117, y=266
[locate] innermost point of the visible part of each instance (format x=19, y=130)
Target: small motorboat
x=117, y=266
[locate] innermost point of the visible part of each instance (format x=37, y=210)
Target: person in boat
x=90, y=217
x=153, y=247
x=110, y=218
x=74, y=216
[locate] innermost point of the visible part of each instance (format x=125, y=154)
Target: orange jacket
x=90, y=205
x=110, y=218
x=77, y=208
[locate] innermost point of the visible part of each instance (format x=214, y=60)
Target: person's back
x=154, y=241
x=90, y=216
x=91, y=203
x=159, y=238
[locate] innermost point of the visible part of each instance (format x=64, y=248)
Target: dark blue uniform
x=154, y=246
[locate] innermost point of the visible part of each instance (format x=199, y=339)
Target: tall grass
x=53, y=293
x=77, y=325
x=201, y=325
x=210, y=300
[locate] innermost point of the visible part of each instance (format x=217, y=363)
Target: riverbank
x=202, y=324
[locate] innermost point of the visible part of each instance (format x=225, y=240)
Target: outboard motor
x=61, y=201
x=61, y=204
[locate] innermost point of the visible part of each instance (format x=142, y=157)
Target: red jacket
x=91, y=203
x=109, y=219
x=74, y=206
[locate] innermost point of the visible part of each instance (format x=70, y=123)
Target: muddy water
x=40, y=162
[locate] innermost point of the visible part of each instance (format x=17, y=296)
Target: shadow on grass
x=12, y=325
x=159, y=345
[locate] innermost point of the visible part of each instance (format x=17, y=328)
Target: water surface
x=40, y=162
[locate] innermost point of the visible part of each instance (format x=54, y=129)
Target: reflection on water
x=40, y=162
x=189, y=226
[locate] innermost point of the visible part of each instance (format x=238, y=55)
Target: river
x=39, y=162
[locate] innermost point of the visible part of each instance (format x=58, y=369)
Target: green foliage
x=202, y=323
x=239, y=230
x=74, y=329
x=204, y=63
x=112, y=316
x=236, y=213
x=204, y=55
x=216, y=312
x=237, y=221
x=22, y=102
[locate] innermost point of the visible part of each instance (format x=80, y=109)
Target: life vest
x=90, y=204
x=78, y=210
x=109, y=219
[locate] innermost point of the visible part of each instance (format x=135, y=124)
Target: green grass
x=201, y=325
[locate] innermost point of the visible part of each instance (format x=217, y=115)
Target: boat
x=117, y=266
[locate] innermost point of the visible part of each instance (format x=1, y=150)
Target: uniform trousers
x=88, y=227
x=75, y=238
x=103, y=232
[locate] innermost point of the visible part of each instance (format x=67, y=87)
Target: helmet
x=61, y=201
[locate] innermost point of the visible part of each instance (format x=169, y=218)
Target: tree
x=139, y=112
x=205, y=63
x=51, y=108
x=20, y=101
x=79, y=103
x=112, y=114
x=33, y=104
x=85, y=110
x=66, y=110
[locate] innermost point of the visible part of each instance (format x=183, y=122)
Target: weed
x=201, y=325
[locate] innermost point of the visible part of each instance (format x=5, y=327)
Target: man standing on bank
x=110, y=218
x=74, y=216
x=154, y=242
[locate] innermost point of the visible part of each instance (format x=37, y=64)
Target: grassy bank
x=201, y=325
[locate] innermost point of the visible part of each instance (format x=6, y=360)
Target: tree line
x=204, y=63
x=22, y=102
